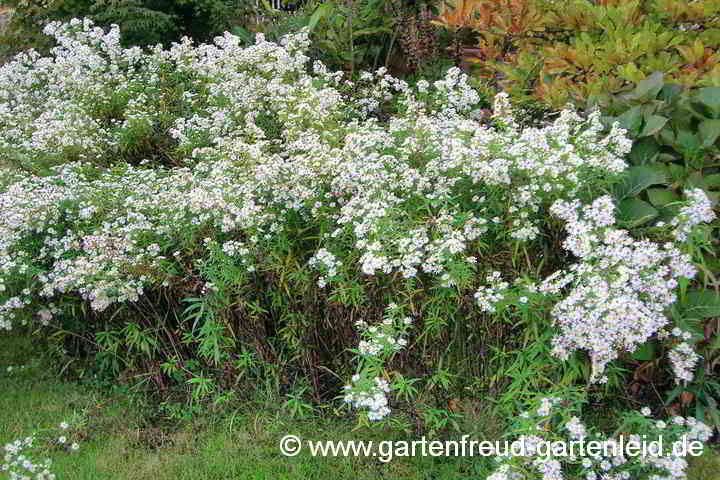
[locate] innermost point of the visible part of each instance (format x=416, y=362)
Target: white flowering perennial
x=19, y=466
x=618, y=292
x=683, y=359
x=553, y=423
x=372, y=397
x=487, y=297
x=370, y=185
x=18, y=462
x=325, y=260
x=697, y=211
x=379, y=343
x=257, y=150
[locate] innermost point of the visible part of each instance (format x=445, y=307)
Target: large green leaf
x=709, y=97
x=670, y=92
x=652, y=125
x=660, y=197
x=711, y=182
x=640, y=177
x=632, y=120
x=702, y=303
x=645, y=352
x=644, y=151
x=649, y=88
x=635, y=212
x=687, y=141
x=709, y=132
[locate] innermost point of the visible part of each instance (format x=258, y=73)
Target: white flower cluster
x=375, y=89
x=486, y=297
x=698, y=210
x=683, y=359
x=618, y=292
x=373, y=398
x=460, y=96
x=18, y=462
x=239, y=251
x=233, y=248
x=607, y=463
x=546, y=405
x=267, y=145
x=502, y=111
x=386, y=338
x=576, y=429
x=20, y=466
x=379, y=343
x=328, y=262
x=697, y=429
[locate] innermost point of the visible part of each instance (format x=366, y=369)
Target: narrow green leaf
x=318, y=15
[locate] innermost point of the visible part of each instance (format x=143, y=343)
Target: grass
x=122, y=439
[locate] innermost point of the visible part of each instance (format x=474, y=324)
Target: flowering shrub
x=552, y=442
x=621, y=286
x=287, y=200
x=381, y=342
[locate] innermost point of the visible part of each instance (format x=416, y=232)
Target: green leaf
x=703, y=303
x=638, y=178
x=711, y=181
x=319, y=13
x=670, y=92
x=632, y=120
x=635, y=212
x=694, y=179
x=649, y=88
x=667, y=136
x=645, y=352
x=652, y=125
x=709, y=97
x=687, y=141
x=644, y=151
x=660, y=197
x=371, y=31
x=709, y=132
x=677, y=172
x=244, y=34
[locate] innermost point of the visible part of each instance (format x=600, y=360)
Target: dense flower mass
x=697, y=211
x=372, y=178
x=552, y=425
x=97, y=228
x=619, y=290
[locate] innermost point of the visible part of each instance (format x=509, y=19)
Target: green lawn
x=119, y=441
